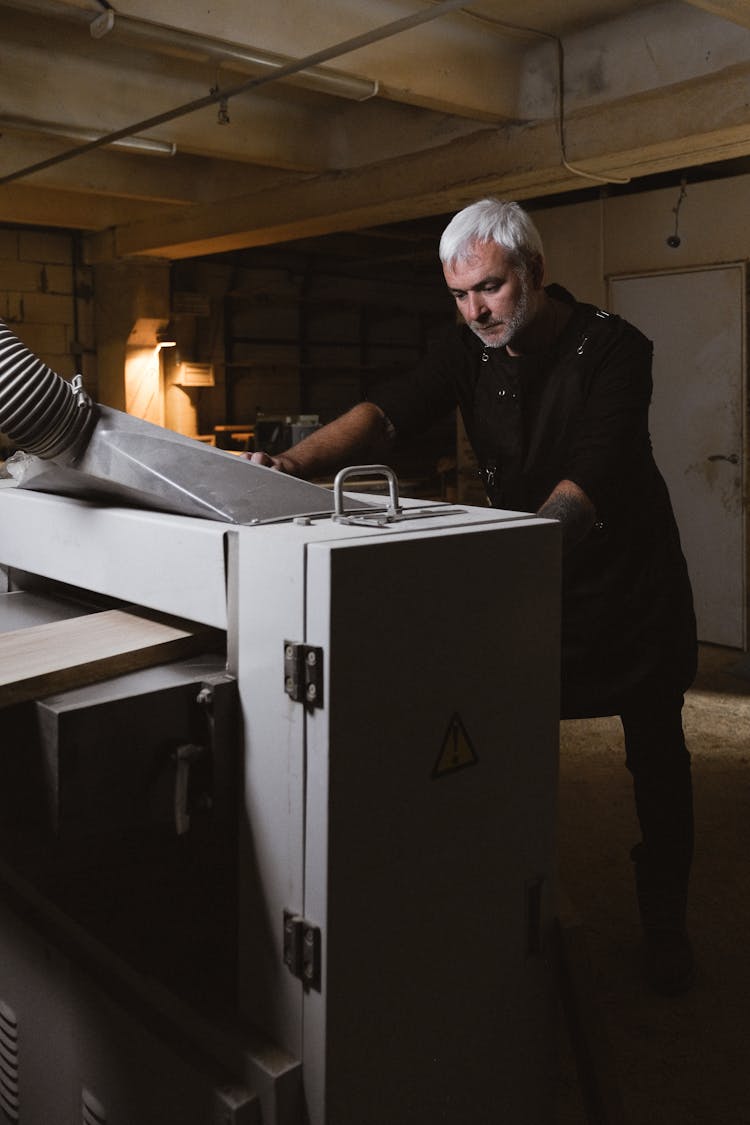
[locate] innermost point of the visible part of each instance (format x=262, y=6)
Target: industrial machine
x=290, y=861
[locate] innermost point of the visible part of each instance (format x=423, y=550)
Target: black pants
x=659, y=762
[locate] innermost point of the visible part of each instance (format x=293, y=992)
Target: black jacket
x=578, y=412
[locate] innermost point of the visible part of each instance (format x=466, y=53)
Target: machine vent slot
x=8, y=1063
x=94, y=1112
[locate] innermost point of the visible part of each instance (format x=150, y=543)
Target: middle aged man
x=555, y=397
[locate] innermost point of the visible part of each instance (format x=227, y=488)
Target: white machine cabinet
x=397, y=733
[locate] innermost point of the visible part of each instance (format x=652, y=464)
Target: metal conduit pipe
x=336, y=51
x=192, y=44
x=40, y=412
x=175, y=41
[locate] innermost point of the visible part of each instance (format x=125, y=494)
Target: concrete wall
x=588, y=242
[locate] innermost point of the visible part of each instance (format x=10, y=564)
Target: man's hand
x=260, y=459
x=362, y=431
x=569, y=504
x=270, y=462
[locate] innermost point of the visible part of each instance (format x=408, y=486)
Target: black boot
x=668, y=965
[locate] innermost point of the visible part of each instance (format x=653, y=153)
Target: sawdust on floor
x=679, y=1061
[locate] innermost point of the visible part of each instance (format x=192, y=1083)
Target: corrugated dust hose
x=40, y=412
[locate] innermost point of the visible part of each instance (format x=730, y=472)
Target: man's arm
x=571, y=506
x=361, y=433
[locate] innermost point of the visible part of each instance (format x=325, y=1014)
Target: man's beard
x=512, y=326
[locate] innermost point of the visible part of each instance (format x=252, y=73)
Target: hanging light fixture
x=146, y=146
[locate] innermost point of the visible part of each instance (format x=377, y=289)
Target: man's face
x=493, y=299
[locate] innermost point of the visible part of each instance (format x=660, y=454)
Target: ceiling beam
x=446, y=60
x=735, y=11
x=69, y=210
x=692, y=123
x=158, y=181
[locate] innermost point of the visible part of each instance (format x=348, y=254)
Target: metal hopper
x=80, y=448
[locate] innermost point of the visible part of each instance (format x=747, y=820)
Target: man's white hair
x=491, y=220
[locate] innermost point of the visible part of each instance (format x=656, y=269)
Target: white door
x=696, y=319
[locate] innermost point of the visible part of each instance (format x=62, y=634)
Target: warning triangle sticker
x=456, y=752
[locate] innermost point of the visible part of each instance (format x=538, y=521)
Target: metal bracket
x=302, y=942
x=103, y=24
x=82, y=397
x=303, y=673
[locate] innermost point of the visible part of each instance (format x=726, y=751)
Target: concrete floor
x=681, y=1061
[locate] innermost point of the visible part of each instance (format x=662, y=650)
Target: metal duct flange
x=40, y=412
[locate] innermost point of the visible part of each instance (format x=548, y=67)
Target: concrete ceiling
x=295, y=118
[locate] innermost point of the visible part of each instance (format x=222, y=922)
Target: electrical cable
x=501, y=25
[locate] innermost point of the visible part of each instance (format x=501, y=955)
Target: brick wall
x=46, y=298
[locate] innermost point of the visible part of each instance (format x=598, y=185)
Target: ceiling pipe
x=175, y=41
x=376, y=35
x=201, y=48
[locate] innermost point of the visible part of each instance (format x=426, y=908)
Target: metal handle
x=365, y=471
x=732, y=458
x=184, y=757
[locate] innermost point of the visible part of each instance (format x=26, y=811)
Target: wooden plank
x=45, y=659
x=21, y=609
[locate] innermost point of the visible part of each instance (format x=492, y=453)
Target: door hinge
x=302, y=949
x=303, y=673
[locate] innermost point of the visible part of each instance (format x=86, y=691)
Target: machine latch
x=188, y=760
x=303, y=673
x=302, y=949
